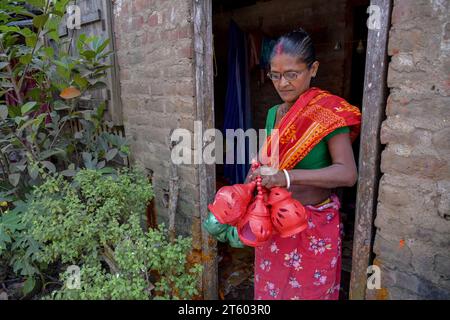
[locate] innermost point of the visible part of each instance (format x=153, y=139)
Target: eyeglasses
x=288, y=75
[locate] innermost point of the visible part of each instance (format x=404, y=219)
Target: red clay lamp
x=256, y=227
x=231, y=202
x=287, y=214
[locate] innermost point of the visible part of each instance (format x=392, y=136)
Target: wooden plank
x=203, y=47
x=115, y=101
x=373, y=112
x=97, y=19
x=88, y=18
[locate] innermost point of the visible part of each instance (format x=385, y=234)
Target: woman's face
x=289, y=91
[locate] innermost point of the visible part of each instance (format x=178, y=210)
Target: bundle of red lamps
x=258, y=217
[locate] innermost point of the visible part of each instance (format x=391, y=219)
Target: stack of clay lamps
x=256, y=226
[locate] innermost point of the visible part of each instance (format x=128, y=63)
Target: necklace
x=282, y=110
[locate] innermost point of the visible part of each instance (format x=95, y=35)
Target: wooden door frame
x=204, y=86
x=373, y=110
x=373, y=113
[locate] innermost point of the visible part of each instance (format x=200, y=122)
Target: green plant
x=95, y=222
x=44, y=80
x=42, y=84
x=17, y=246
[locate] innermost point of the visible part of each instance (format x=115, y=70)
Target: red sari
x=306, y=265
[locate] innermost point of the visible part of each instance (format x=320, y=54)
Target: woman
x=316, y=130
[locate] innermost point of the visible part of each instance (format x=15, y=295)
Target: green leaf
x=101, y=110
x=49, y=52
x=14, y=179
x=102, y=46
x=101, y=164
x=28, y=285
x=3, y=64
x=19, y=120
x=87, y=157
x=6, y=84
x=14, y=111
x=111, y=154
x=33, y=247
x=88, y=54
x=98, y=85
x=80, y=81
x=3, y=112
x=28, y=107
x=21, y=167
x=26, y=124
x=68, y=173
x=39, y=21
x=10, y=29
x=11, y=221
x=107, y=170
x=59, y=105
x=4, y=238
x=26, y=59
x=61, y=5
x=31, y=40
x=37, y=122
x=61, y=64
x=34, y=94
x=54, y=35
x=33, y=171
x=48, y=153
x=50, y=166
x=63, y=72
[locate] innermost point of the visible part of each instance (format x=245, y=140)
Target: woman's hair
x=296, y=43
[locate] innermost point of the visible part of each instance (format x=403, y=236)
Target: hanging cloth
x=255, y=43
x=237, y=104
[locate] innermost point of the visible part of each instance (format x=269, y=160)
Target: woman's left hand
x=269, y=179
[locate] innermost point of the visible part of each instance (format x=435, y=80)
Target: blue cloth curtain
x=237, y=105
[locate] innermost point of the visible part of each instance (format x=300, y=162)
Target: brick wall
x=413, y=216
x=155, y=55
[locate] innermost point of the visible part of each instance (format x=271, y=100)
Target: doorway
x=341, y=48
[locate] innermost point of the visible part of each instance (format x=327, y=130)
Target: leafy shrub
x=95, y=222
x=42, y=88
x=43, y=84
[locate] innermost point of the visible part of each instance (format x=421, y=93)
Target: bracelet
x=288, y=179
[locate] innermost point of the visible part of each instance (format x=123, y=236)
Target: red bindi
x=279, y=48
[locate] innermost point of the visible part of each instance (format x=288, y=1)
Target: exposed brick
x=138, y=6
x=186, y=51
x=184, y=106
x=416, y=165
x=441, y=141
x=442, y=265
x=185, y=32
x=406, y=10
x=392, y=251
x=185, y=88
x=188, y=173
x=415, y=284
x=136, y=88
x=136, y=23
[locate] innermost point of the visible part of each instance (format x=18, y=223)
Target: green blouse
x=319, y=157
